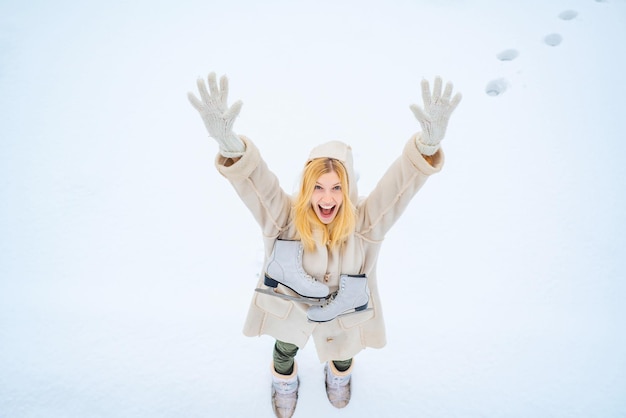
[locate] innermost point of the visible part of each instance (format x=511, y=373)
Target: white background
x=127, y=263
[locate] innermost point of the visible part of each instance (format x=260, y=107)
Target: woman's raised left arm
x=434, y=115
x=420, y=158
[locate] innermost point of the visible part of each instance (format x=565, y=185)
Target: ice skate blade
x=299, y=299
x=343, y=315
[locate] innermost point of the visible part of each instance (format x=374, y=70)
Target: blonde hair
x=306, y=221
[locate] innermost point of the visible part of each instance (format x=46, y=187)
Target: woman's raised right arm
x=239, y=160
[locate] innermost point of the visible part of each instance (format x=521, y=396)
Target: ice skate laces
x=301, y=269
x=331, y=298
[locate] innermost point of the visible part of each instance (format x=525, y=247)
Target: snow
x=127, y=263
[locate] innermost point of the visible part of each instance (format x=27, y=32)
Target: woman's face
x=327, y=197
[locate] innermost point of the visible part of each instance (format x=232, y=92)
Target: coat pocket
x=273, y=305
x=356, y=318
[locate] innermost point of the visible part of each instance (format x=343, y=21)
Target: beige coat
x=259, y=189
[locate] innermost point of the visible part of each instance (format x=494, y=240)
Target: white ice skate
x=352, y=297
x=284, y=267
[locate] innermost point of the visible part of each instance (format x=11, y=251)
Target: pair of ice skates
x=285, y=267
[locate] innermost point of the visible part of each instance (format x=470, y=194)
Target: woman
x=321, y=245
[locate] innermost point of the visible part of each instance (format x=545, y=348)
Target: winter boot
x=285, y=267
x=284, y=392
x=338, y=385
x=351, y=296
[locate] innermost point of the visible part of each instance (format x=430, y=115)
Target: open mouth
x=327, y=211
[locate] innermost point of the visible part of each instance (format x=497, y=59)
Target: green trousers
x=285, y=353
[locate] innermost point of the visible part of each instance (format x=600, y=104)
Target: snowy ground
x=127, y=263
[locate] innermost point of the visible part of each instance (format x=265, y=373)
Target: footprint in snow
x=568, y=15
x=498, y=86
x=507, y=55
x=553, y=39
